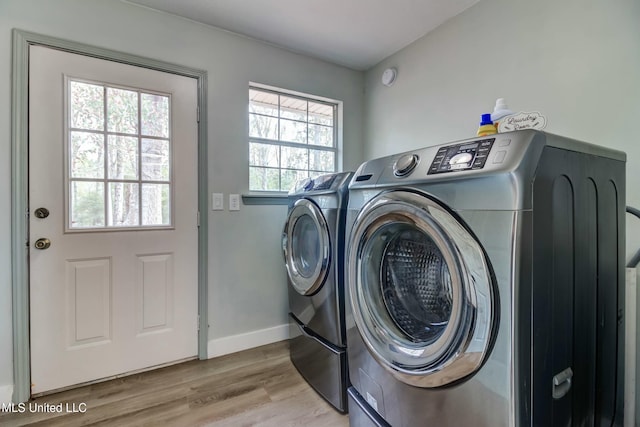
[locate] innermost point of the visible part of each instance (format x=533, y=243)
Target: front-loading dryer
x=313, y=247
x=485, y=284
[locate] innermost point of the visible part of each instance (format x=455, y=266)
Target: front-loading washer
x=486, y=284
x=313, y=247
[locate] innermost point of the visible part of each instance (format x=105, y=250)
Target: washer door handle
x=562, y=383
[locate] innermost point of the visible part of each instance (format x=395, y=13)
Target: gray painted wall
x=575, y=61
x=246, y=274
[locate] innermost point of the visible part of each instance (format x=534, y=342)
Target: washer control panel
x=323, y=182
x=471, y=155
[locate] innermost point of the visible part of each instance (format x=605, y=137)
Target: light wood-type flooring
x=256, y=387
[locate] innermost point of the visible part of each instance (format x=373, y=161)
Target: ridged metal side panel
x=576, y=292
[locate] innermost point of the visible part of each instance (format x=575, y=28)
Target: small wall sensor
x=389, y=76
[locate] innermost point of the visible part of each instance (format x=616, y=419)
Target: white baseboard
x=6, y=393
x=226, y=345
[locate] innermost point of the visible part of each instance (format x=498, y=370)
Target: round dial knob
x=405, y=164
x=461, y=158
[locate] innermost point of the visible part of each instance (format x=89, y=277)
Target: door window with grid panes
x=118, y=157
x=291, y=137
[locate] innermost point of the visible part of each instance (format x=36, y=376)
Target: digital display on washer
x=459, y=157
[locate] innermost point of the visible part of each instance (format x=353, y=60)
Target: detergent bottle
x=500, y=111
x=486, y=126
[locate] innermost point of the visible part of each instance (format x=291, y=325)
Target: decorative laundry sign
x=522, y=120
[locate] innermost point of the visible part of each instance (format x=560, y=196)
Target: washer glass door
x=307, y=247
x=421, y=289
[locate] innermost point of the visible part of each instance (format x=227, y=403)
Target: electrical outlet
x=217, y=201
x=234, y=202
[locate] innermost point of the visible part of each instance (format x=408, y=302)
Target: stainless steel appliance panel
x=321, y=310
x=549, y=212
x=487, y=395
x=322, y=365
x=361, y=414
x=317, y=340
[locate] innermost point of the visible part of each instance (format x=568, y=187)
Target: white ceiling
x=354, y=33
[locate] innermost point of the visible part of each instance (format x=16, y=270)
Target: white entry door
x=113, y=218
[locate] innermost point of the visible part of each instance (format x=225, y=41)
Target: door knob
x=41, y=213
x=42, y=243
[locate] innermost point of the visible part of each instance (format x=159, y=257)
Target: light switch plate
x=234, y=202
x=217, y=201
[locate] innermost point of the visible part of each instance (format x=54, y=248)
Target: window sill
x=265, y=199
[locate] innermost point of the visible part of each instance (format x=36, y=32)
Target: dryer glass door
x=307, y=247
x=421, y=289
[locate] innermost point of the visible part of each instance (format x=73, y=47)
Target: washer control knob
x=405, y=164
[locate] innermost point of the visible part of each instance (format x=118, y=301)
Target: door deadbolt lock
x=42, y=243
x=41, y=213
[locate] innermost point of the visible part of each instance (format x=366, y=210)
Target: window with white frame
x=291, y=137
x=118, y=157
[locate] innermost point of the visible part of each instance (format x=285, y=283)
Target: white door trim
x=19, y=189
